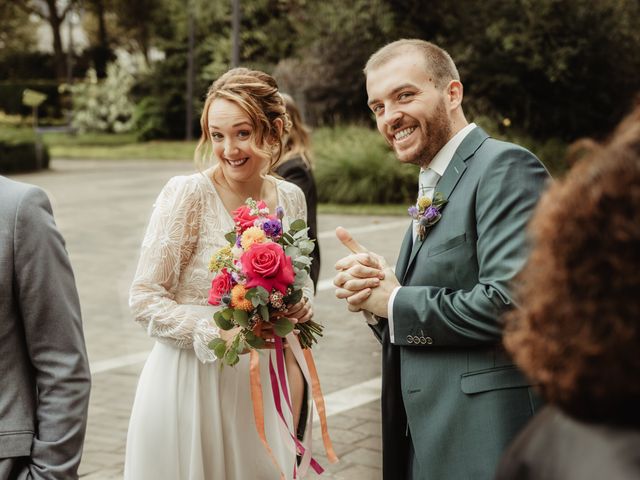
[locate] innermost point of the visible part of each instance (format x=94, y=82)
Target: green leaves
x=231, y=237
x=264, y=312
x=241, y=318
x=253, y=340
x=298, y=225
x=294, y=298
x=222, y=319
x=258, y=296
x=218, y=346
x=282, y=327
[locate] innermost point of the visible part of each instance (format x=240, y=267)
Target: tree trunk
x=101, y=52
x=55, y=20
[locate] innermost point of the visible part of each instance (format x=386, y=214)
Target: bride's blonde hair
x=256, y=93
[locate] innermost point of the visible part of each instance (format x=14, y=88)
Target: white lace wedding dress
x=192, y=419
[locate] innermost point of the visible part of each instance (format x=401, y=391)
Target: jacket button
x=409, y=339
x=429, y=340
x=416, y=340
x=423, y=340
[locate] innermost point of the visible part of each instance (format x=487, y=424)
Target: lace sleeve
x=298, y=210
x=169, y=242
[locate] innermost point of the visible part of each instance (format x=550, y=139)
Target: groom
x=451, y=398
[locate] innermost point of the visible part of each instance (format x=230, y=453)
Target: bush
x=355, y=165
x=103, y=105
x=21, y=151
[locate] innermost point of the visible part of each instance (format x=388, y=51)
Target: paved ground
x=102, y=209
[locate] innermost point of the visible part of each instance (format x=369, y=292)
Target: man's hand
x=364, y=279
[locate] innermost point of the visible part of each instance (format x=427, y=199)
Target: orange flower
x=238, y=300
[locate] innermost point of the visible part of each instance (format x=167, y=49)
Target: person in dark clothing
x=296, y=167
x=577, y=331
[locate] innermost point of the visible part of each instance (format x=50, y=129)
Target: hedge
x=21, y=151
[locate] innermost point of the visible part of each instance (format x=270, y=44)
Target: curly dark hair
x=577, y=331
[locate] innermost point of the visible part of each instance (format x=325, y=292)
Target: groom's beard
x=435, y=132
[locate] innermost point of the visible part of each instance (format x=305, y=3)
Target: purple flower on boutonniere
x=427, y=212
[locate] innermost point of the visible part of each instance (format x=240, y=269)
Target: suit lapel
x=405, y=252
x=448, y=182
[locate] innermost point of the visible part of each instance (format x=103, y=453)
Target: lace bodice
x=171, y=286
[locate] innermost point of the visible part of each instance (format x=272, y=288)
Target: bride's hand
x=300, y=312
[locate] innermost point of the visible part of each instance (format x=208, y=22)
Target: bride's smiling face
x=232, y=141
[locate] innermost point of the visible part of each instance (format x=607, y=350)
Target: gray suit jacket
x=446, y=379
x=43, y=361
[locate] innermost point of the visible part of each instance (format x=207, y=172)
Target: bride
x=192, y=419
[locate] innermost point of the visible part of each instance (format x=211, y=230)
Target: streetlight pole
x=189, y=93
x=235, y=23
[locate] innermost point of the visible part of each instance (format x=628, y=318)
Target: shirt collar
x=443, y=158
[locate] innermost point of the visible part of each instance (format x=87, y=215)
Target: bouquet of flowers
x=258, y=276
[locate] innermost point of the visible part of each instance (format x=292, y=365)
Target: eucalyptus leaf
x=264, y=312
x=302, y=234
x=220, y=349
x=306, y=247
x=292, y=251
x=214, y=342
x=241, y=317
x=241, y=347
x=223, y=323
x=287, y=238
x=298, y=225
x=231, y=237
x=294, y=298
x=231, y=357
x=263, y=294
x=282, y=327
x=255, y=341
x=227, y=313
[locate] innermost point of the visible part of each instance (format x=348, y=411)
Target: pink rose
x=266, y=265
x=221, y=285
x=243, y=218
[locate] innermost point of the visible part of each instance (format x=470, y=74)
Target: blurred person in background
x=296, y=167
x=577, y=332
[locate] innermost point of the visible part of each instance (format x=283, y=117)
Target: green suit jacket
x=448, y=386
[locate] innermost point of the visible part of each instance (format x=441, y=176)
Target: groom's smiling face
x=411, y=112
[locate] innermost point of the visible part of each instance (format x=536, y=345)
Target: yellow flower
x=238, y=299
x=252, y=235
x=424, y=203
x=222, y=258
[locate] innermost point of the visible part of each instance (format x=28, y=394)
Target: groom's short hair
x=437, y=61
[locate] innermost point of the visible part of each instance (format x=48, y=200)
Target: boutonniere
x=427, y=212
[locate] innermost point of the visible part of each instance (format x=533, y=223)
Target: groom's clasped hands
x=364, y=278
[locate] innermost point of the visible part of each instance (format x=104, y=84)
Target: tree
x=100, y=51
x=561, y=68
x=53, y=12
x=336, y=38
x=16, y=31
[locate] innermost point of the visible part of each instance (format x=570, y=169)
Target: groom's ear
x=454, y=93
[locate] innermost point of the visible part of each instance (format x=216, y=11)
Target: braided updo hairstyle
x=256, y=93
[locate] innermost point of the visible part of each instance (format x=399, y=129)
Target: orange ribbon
x=258, y=407
x=319, y=401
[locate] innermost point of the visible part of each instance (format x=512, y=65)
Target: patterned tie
x=427, y=182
